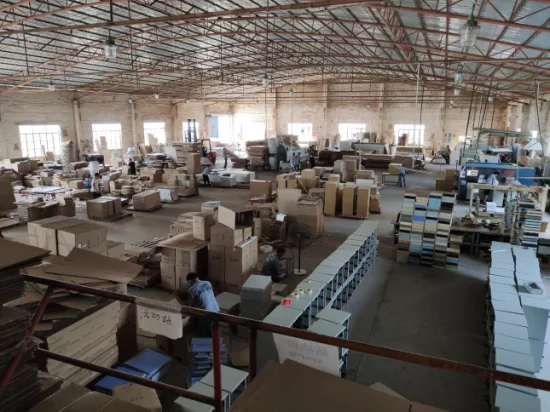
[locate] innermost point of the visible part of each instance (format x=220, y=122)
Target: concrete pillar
x=133, y=115
x=381, y=114
x=77, y=124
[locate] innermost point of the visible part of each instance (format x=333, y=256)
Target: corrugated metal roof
x=304, y=43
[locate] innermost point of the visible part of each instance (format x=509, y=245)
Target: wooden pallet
x=353, y=217
x=112, y=218
x=147, y=211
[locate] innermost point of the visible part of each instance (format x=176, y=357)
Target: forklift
x=207, y=151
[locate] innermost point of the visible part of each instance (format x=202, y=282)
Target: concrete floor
x=411, y=308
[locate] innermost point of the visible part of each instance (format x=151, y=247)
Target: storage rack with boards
x=517, y=317
x=316, y=303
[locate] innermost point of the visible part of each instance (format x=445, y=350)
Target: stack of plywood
x=147, y=201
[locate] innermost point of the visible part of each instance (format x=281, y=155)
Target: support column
x=133, y=114
x=325, y=114
x=381, y=113
x=174, y=114
x=77, y=125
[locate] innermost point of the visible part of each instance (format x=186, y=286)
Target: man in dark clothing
x=311, y=158
x=132, y=167
x=273, y=267
x=225, y=157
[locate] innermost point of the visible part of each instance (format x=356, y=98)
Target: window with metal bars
x=155, y=129
x=36, y=140
x=112, y=132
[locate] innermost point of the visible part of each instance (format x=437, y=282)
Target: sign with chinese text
x=160, y=321
x=313, y=354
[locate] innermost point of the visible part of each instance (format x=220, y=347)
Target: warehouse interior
x=229, y=206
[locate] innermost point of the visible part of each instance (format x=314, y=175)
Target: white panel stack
x=516, y=323
x=256, y=297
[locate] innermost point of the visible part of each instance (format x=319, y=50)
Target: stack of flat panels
x=530, y=230
x=405, y=227
x=256, y=297
x=509, y=214
x=516, y=337
x=23, y=388
x=202, y=358
x=426, y=240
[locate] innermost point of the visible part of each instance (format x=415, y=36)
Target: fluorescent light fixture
x=110, y=48
x=265, y=80
x=51, y=86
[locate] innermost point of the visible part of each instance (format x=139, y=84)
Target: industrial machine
x=473, y=172
x=210, y=154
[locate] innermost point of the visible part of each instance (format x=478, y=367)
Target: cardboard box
x=312, y=183
x=238, y=265
x=374, y=206
x=32, y=227
x=308, y=173
x=83, y=236
x=444, y=185
x=348, y=201
x=100, y=208
x=115, y=249
x=331, y=193
x=168, y=255
x=292, y=182
x=224, y=236
x=254, y=244
x=450, y=174
x=117, y=204
x=393, y=168
x=76, y=184
x=201, y=225
x=319, y=171
x=7, y=198
x=194, y=163
x=261, y=188
x=363, y=202
x=247, y=233
x=310, y=214
x=273, y=230
x=147, y=200
x=48, y=233
x=232, y=216
x=115, y=185
x=216, y=265
x=168, y=276
x=334, y=178
x=257, y=228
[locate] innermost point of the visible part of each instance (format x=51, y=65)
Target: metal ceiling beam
x=278, y=8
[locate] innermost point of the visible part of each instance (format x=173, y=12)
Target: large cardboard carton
x=348, y=202
x=117, y=204
x=450, y=174
x=334, y=178
x=216, y=265
x=47, y=233
x=319, y=171
x=273, y=230
x=257, y=228
x=168, y=276
x=32, y=227
x=310, y=214
x=308, y=173
x=83, y=236
x=115, y=249
x=254, y=244
x=287, y=201
x=331, y=193
x=224, y=236
x=261, y=188
x=100, y=208
x=7, y=198
x=444, y=185
x=393, y=168
x=147, y=200
x=292, y=182
x=238, y=264
x=363, y=201
x=232, y=216
x=201, y=225
x=194, y=163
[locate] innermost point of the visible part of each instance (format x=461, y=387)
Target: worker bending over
x=202, y=296
x=97, y=185
x=273, y=266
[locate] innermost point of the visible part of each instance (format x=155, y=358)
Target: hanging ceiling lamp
x=456, y=91
x=109, y=46
x=490, y=99
x=459, y=76
x=265, y=80
x=291, y=92
x=51, y=86
x=470, y=31
x=157, y=95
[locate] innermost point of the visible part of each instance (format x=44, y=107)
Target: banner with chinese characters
x=164, y=319
x=313, y=354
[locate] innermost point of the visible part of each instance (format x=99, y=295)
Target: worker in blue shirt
x=273, y=267
x=201, y=295
x=401, y=182
x=205, y=175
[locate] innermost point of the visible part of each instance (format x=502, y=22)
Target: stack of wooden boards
x=527, y=220
x=257, y=151
x=424, y=230
x=517, y=319
x=23, y=388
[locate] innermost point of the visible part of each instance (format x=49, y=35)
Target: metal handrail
x=254, y=326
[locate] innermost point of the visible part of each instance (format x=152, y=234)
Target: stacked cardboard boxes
x=182, y=254
x=310, y=214
x=393, y=168
x=261, y=189
x=146, y=201
x=233, y=252
x=348, y=200
x=61, y=234
x=104, y=207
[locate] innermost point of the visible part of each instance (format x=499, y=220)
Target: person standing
x=97, y=185
x=225, y=157
x=273, y=267
x=201, y=296
x=205, y=173
x=131, y=167
x=401, y=179
x=297, y=159
x=311, y=157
